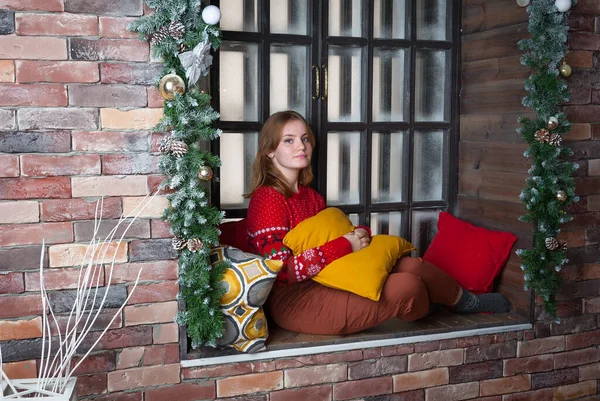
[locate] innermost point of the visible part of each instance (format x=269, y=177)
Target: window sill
x=439, y=326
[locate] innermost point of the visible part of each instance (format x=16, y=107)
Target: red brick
x=20, y=329
x=315, y=375
x=540, y=363
x=575, y=358
x=540, y=346
x=160, y=229
x=491, y=352
x=589, y=372
x=116, y=28
x=20, y=370
x=57, y=279
x=130, y=73
x=435, y=359
x=583, y=114
x=63, y=255
x=362, y=388
x=581, y=96
x=30, y=234
x=183, y=392
x=80, y=209
x=155, y=99
x=453, y=392
x=337, y=357
x=160, y=354
x=592, y=305
x=248, y=384
x=35, y=165
x=537, y=395
x=112, y=7
x=30, y=118
x=107, y=96
x=575, y=391
x=109, y=186
x=139, y=163
x=33, y=95
x=57, y=71
x=143, y=377
x=160, y=292
x=505, y=385
x=91, y=384
x=109, y=49
x=97, y=362
x=422, y=379
x=9, y=166
x=154, y=182
x=32, y=188
x=223, y=370
x=32, y=48
x=11, y=283
x=32, y=5
x=162, y=312
x=122, y=338
x=19, y=212
x=580, y=59
x=110, y=141
x=378, y=367
x=63, y=24
x=583, y=340
x=151, y=271
x=20, y=306
x=7, y=71
x=313, y=393
x=584, y=41
x=103, y=320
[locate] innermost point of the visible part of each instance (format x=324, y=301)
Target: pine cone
x=179, y=148
x=176, y=29
x=157, y=37
x=194, y=244
x=164, y=146
x=178, y=243
x=555, y=140
x=542, y=135
x=551, y=243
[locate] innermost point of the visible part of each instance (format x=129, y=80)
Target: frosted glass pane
x=390, y=19
x=386, y=223
x=238, y=152
x=432, y=19
x=238, y=80
x=354, y=218
x=345, y=18
x=390, y=89
x=387, y=167
x=240, y=15
x=431, y=74
x=292, y=16
x=428, y=168
x=345, y=80
x=343, y=168
x=288, y=79
x=424, y=228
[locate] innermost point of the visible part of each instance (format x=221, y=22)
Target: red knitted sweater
x=271, y=216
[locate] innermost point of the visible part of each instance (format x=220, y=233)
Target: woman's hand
x=358, y=240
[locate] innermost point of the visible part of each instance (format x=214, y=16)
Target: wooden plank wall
x=492, y=168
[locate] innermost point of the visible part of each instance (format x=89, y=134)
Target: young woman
x=280, y=199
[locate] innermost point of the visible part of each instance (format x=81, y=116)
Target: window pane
x=386, y=223
x=387, y=167
x=343, y=168
x=238, y=78
x=240, y=15
x=237, y=156
x=390, y=19
x=424, y=228
x=354, y=218
x=430, y=79
x=390, y=91
x=344, y=86
x=345, y=18
x=428, y=168
x=288, y=78
x=291, y=16
x=432, y=17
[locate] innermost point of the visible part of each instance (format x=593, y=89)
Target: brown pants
x=312, y=308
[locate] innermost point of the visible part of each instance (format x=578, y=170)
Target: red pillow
x=472, y=255
x=235, y=234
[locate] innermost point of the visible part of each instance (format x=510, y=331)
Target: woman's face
x=294, y=150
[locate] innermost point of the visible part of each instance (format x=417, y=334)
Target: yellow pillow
x=363, y=272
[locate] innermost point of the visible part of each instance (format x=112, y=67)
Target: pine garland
x=175, y=26
x=550, y=187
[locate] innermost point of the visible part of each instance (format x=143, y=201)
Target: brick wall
x=76, y=106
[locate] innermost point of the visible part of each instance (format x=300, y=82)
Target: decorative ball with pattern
x=542, y=135
x=565, y=70
x=551, y=243
x=561, y=196
x=194, y=244
x=552, y=123
x=211, y=15
x=179, y=148
x=563, y=5
x=178, y=243
x=171, y=84
x=205, y=173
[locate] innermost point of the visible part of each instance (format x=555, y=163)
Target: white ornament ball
x=211, y=15
x=563, y=5
x=523, y=3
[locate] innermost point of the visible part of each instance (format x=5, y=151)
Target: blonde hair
x=264, y=172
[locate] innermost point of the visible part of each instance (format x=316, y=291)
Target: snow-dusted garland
x=550, y=187
x=182, y=35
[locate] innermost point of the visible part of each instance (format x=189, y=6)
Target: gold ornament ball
x=205, y=173
x=171, y=84
x=552, y=123
x=561, y=196
x=565, y=70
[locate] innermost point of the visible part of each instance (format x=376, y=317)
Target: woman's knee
x=408, y=264
x=408, y=293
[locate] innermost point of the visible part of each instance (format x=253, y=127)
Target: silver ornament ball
x=211, y=15
x=561, y=196
x=552, y=123
x=563, y=5
x=523, y=3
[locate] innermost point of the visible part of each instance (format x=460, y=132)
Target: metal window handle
x=317, y=81
x=326, y=83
